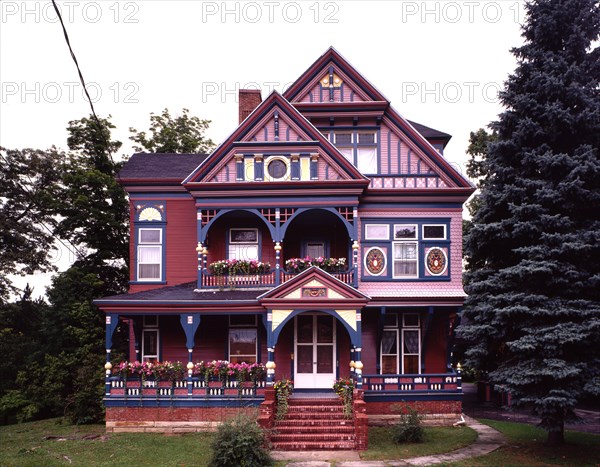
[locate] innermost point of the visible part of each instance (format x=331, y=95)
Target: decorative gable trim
x=313, y=288
x=236, y=140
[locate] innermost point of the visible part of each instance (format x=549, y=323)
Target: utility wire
x=100, y=128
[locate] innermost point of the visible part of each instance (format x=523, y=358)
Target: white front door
x=314, y=362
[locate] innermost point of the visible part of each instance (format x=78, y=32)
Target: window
x=149, y=255
x=315, y=249
x=243, y=244
x=242, y=339
x=377, y=232
x=405, y=231
x=150, y=336
x=277, y=168
x=366, y=155
x=405, y=259
x=405, y=359
x=434, y=232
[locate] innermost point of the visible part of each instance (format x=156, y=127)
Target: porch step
x=314, y=424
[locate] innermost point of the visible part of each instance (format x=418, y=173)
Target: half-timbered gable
x=321, y=240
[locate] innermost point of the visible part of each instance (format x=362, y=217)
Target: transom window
x=434, y=232
x=149, y=254
x=243, y=244
x=377, y=232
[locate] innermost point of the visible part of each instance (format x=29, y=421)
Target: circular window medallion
x=436, y=261
x=277, y=168
x=375, y=261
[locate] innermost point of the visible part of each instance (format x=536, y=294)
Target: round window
x=277, y=168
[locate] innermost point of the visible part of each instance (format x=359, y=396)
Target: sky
x=440, y=63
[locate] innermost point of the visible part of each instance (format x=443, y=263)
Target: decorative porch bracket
x=190, y=323
x=112, y=321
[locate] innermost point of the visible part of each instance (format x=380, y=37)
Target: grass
x=526, y=446
x=24, y=445
x=437, y=440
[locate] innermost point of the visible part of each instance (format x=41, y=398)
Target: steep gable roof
x=150, y=166
x=333, y=62
x=311, y=137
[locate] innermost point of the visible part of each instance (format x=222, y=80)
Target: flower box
x=136, y=383
x=165, y=384
x=215, y=384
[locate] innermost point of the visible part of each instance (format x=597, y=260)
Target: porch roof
x=182, y=293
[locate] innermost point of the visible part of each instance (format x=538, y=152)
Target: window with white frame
x=150, y=339
x=366, y=153
x=401, y=345
x=377, y=232
x=343, y=141
x=405, y=252
x=434, y=232
x=243, y=244
x=149, y=254
x=243, y=339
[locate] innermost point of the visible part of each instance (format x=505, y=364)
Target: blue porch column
x=112, y=321
x=355, y=248
x=270, y=365
x=357, y=343
x=190, y=323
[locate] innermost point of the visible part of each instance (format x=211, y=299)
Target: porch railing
x=260, y=280
x=137, y=388
x=440, y=382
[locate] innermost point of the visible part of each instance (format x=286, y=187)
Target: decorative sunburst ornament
x=375, y=261
x=150, y=214
x=436, y=261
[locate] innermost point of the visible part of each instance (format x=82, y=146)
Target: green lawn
x=24, y=445
x=526, y=447
x=437, y=440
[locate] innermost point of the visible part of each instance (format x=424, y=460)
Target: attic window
x=277, y=169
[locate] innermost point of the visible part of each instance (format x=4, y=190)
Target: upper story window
x=359, y=147
x=243, y=244
x=405, y=249
x=149, y=254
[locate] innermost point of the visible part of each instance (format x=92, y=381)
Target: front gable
x=314, y=288
x=275, y=129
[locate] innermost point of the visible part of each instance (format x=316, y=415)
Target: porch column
x=136, y=322
x=358, y=364
x=277, y=263
x=200, y=247
x=355, y=248
x=112, y=321
x=190, y=323
x=270, y=365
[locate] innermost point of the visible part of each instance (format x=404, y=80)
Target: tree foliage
x=180, y=135
x=533, y=251
x=29, y=181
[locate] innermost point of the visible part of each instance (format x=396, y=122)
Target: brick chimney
x=249, y=99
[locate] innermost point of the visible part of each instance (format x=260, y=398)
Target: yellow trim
x=279, y=317
x=304, y=168
x=349, y=316
x=249, y=169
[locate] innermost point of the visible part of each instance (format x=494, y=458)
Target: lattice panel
x=208, y=215
x=286, y=213
x=346, y=213
x=269, y=214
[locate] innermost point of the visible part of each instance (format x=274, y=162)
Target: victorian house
x=321, y=240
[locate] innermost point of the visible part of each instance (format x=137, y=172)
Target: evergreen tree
x=533, y=251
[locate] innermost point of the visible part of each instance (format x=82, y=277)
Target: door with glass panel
x=314, y=362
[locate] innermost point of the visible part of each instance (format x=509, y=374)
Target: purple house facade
x=321, y=240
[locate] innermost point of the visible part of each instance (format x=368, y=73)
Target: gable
x=275, y=129
x=332, y=85
x=314, y=286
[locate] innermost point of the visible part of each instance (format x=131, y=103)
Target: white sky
x=440, y=63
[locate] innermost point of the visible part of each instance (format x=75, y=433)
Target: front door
x=315, y=351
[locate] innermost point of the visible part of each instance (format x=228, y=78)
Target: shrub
x=240, y=442
x=408, y=429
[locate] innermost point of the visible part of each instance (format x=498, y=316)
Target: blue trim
x=162, y=226
x=182, y=401
x=400, y=396
x=225, y=211
x=259, y=169
x=299, y=211
x=110, y=328
x=133, y=195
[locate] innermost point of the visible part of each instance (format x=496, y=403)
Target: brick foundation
x=172, y=419
x=435, y=413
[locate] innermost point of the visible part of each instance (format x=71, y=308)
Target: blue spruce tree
x=533, y=249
